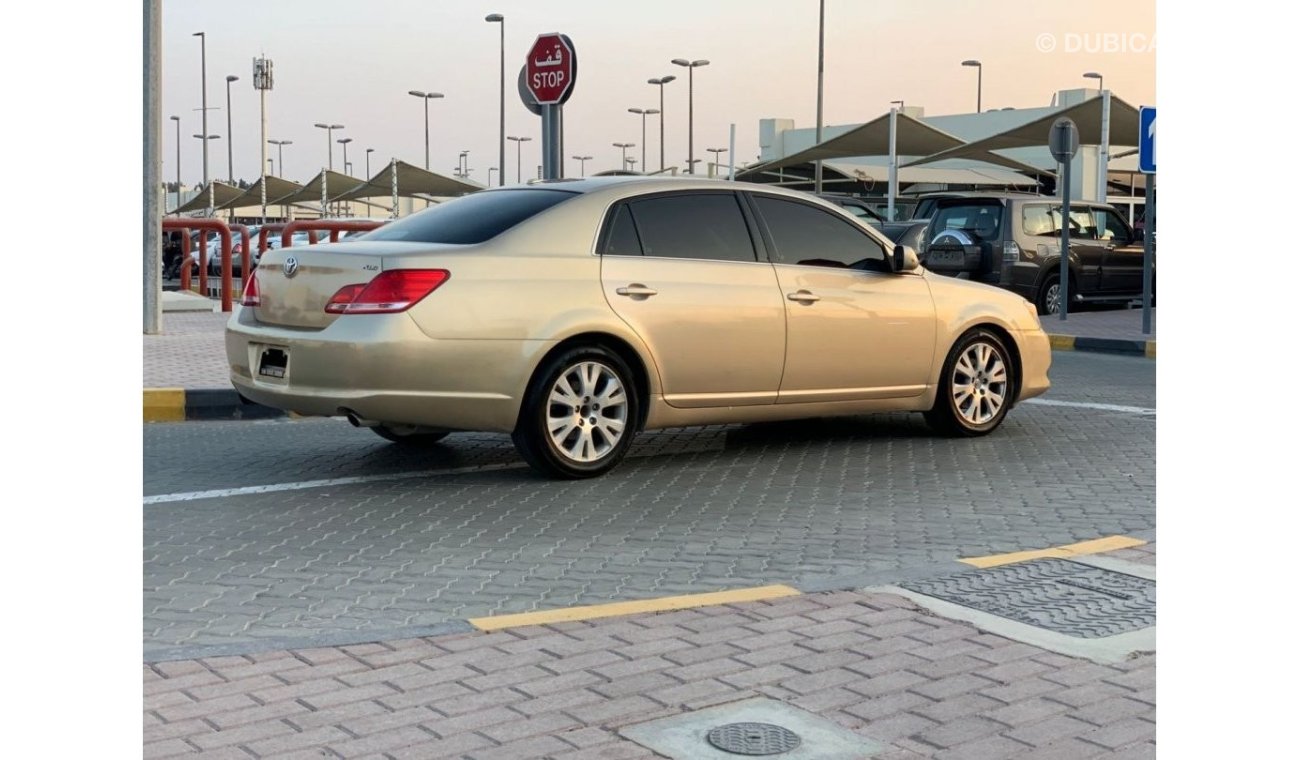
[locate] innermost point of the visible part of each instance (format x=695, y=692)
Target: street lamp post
x=271, y=163
x=203, y=73
x=177, y=119
x=490, y=170
x=821, y=61
x=1101, y=81
x=280, y=144
x=497, y=18
x=661, y=81
x=368, y=152
x=644, y=112
x=344, y=142
x=631, y=164
x=519, y=153
x=624, y=146
x=716, y=156
x=582, y=162
x=426, y=96
x=979, y=84
x=329, y=141
x=690, y=140
x=899, y=102
x=230, y=134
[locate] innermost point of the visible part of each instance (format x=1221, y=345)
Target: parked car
x=573, y=315
x=1013, y=241
x=926, y=203
x=854, y=205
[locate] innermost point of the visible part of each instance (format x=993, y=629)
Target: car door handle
x=802, y=296
x=635, y=290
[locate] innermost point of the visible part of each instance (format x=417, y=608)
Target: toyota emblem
x=290, y=266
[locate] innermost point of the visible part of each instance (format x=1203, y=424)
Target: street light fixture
x=624, y=146
x=497, y=18
x=490, y=170
x=1101, y=81
x=691, y=66
x=177, y=119
x=230, y=139
x=519, y=152
x=329, y=141
x=716, y=156
x=426, y=96
x=280, y=144
x=581, y=159
x=979, y=84
x=661, y=81
x=344, y=142
x=644, y=112
x=368, y=152
x=899, y=102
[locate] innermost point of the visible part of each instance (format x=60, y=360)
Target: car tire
x=976, y=387
x=563, y=431
x=1049, y=293
x=413, y=437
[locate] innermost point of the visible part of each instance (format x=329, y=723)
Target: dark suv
x=1014, y=241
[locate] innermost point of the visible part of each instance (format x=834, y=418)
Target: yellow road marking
x=164, y=404
x=591, y=612
x=1095, y=546
x=1151, y=349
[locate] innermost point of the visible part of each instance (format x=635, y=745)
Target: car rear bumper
x=382, y=367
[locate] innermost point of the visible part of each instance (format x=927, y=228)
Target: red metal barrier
x=245, y=256
x=206, y=225
x=276, y=227
x=335, y=226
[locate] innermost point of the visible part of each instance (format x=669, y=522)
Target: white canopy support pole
x=392, y=169
x=731, y=170
x=1103, y=151
x=324, y=183
x=893, y=160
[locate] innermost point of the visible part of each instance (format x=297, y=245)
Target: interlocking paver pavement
x=927, y=686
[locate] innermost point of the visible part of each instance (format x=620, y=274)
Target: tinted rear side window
x=472, y=218
x=810, y=236
x=982, y=221
x=623, y=240
x=693, y=226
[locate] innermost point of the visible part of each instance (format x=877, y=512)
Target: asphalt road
x=276, y=532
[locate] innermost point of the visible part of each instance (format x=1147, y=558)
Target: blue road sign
x=1147, y=140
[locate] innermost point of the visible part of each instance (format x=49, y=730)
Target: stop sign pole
x=1063, y=142
x=549, y=72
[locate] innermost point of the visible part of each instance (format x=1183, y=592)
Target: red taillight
x=392, y=291
x=252, y=296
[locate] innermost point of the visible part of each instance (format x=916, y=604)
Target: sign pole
x=547, y=78
x=1148, y=254
x=1063, y=142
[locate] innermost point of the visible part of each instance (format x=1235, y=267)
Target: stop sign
x=551, y=68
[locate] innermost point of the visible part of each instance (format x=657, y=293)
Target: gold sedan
x=573, y=314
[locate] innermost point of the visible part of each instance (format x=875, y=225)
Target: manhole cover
x=1059, y=595
x=753, y=739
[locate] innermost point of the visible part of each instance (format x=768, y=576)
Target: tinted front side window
x=1114, y=228
x=472, y=218
x=810, y=236
x=693, y=226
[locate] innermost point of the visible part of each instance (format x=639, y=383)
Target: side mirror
x=905, y=259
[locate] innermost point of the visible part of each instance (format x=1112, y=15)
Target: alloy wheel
x=979, y=383
x=587, y=412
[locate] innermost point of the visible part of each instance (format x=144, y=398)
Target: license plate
x=946, y=258
x=273, y=363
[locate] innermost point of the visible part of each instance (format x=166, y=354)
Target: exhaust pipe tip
x=357, y=420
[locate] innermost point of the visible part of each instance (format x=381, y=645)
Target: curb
x=179, y=404
x=491, y=624
x=1145, y=348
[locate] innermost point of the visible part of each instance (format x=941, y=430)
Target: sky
x=353, y=64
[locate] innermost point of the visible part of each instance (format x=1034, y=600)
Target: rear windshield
x=980, y=221
x=472, y=218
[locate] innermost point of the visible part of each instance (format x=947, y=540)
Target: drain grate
x=1056, y=594
x=753, y=739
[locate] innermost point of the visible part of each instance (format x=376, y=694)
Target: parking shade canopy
x=1086, y=117
x=276, y=190
x=412, y=181
x=221, y=195
x=975, y=176
x=333, y=183
x=914, y=138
